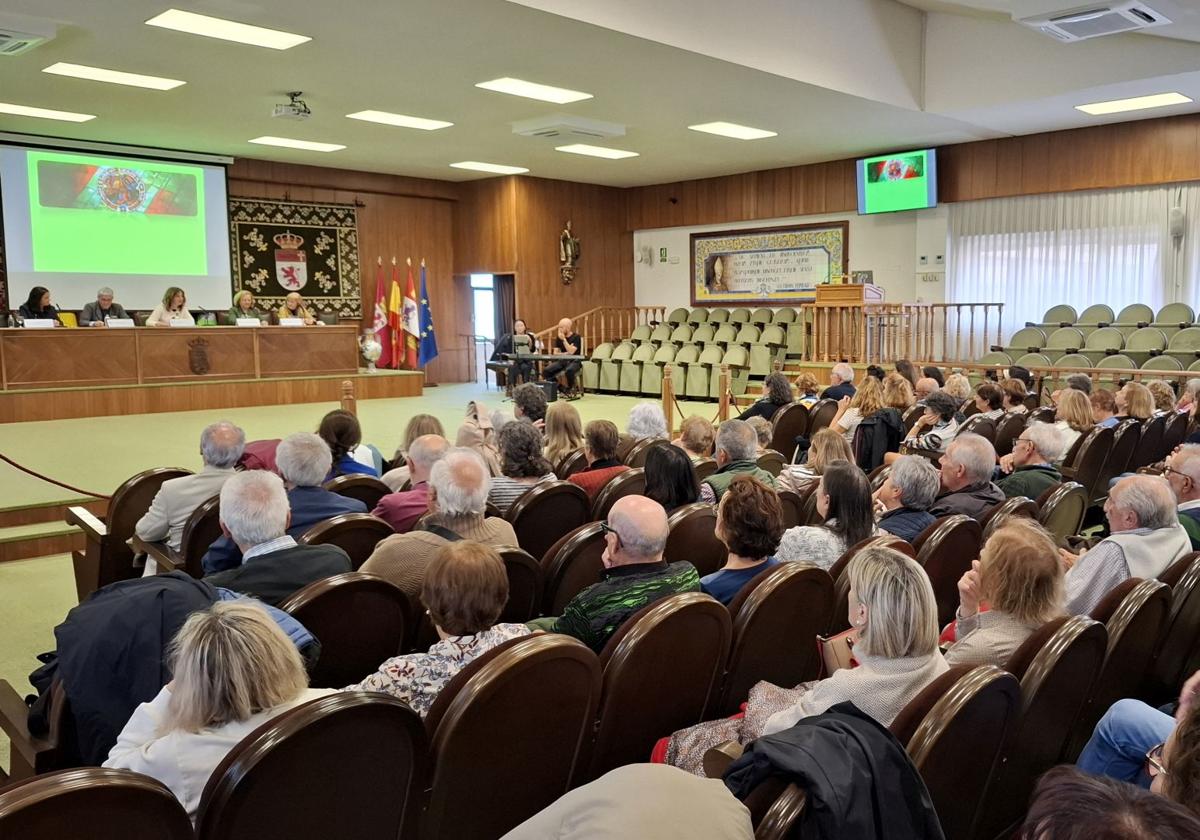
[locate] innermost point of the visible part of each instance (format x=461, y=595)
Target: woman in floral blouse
x=465, y=590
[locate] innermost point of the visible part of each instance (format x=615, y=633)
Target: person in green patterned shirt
x=635, y=575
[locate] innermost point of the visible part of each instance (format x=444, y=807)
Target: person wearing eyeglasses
x=1030, y=465
x=1136, y=743
x=1182, y=470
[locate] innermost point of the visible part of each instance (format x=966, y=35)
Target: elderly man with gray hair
x=737, y=451
x=904, y=500
x=97, y=312
x=459, y=482
x=1183, y=474
x=841, y=382
x=221, y=446
x=303, y=460
x=255, y=515
x=635, y=575
x=1031, y=465
x=967, y=486
x=1145, y=539
x=403, y=508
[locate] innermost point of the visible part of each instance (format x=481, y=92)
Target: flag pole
x=429, y=382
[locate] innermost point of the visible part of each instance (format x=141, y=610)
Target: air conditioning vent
x=566, y=127
x=15, y=43
x=1087, y=22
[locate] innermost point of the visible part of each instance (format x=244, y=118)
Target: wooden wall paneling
x=485, y=227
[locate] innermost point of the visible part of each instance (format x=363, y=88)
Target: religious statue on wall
x=568, y=254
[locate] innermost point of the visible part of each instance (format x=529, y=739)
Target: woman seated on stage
x=38, y=305
x=670, y=477
x=844, y=504
x=172, y=308
x=893, y=621
x=340, y=429
x=293, y=307
x=244, y=307
x=776, y=393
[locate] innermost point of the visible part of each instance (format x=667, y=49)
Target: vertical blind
x=1079, y=248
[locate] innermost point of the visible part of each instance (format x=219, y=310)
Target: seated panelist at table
x=172, y=308
x=38, y=305
x=96, y=313
x=244, y=307
x=293, y=307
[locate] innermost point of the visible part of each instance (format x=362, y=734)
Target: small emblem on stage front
x=198, y=356
x=291, y=264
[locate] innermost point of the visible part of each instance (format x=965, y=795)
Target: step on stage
x=68, y=373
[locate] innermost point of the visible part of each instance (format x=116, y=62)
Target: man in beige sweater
x=458, y=491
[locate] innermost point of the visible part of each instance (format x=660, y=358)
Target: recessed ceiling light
x=1136, y=103
x=43, y=113
x=226, y=30
x=532, y=90
x=401, y=120
x=737, y=132
x=595, y=151
x=117, y=77
x=289, y=143
x=495, y=168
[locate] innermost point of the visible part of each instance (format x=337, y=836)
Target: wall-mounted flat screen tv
x=899, y=181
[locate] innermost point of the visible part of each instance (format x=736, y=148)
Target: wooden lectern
x=836, y=322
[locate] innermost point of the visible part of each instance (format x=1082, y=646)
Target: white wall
x=889, y=244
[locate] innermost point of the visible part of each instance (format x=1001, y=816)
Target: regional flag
x=411, y=322
x=395, y=303
x=428, y=349
x=380, y=325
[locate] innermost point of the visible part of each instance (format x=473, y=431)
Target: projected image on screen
x=115, y=216
x=901, y=181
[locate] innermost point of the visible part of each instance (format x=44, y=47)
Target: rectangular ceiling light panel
x=227, y=30
x=737, y=132
x=116, y=77
x=494, y=168
x=533, y=90
x=400, y=120
x=289, y=143
x=1136, y=103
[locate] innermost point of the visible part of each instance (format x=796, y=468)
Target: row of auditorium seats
x=637, y=369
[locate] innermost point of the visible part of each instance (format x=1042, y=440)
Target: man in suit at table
x=96, y=313
x=303, y=460
x=221, y=446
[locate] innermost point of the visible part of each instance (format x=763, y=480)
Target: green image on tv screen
x=900, y=181
x=116, y=216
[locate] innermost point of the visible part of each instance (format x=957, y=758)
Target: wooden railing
x=884, y=332
x=607, y=323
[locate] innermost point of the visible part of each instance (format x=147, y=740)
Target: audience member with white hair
x=1188, y=398
x=303, y=460
x=458, y=491
x=1030, y=466
x=1183, y=474
x=841, y=382
x=737, y=451
x=221, y=446
x=255, y=515
x=967, y=486
x=908, y=492
x=97, y=313
x=646, y=420
x=1145, y=539
x=232, y=671
x=403, y=508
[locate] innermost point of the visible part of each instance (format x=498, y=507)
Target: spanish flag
x=395, y=308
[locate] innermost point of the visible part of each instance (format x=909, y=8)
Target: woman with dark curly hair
x=523, y=464
x=776, y=393
x=749, y=523
x=341, y=431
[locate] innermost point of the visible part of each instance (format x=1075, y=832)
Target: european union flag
x=427, y=351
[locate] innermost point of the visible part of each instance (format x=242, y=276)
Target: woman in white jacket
x=234, y=669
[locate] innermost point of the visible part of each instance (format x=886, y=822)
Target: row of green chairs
x=764, y=346
x=1118, y=361
x=1140, y=345
x=638, y=370
x=1132, y=317
x=741, y=315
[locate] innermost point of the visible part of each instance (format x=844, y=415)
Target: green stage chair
x=631, y=371
x=697, y=316
x=1070, y=360
x=1178, y=315
x=704, y=333
x=1118, y=362
x=1144, y=343
x=661, y=333
x=641, y=334
x=1059, y=316
x=761, y=317
x=726, y=334
x=1026, y=340
x=1063, y=340
x=1194, y=365
x=738, y=359
x=681, y=335
x=686, y=357
x=1162, y=363
x=739, y=316
x=995, y=358
x=1135, y=315
x=747, y=335
x=766, y=350
x=701, y=372
x=718, y=316
x=677, y=316
x=795, y=337
x=1032, y=360
x=610, y=368
x=786, y=315
x=591, y=367
x=652, y=371
x=1096, y=314
x=1103, y=342
x=1184, y=346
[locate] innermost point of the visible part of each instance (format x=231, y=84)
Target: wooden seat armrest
x=93, y=527
x=14, y=720
x=167, y=558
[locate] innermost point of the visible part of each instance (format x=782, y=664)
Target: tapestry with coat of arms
x=281, y=247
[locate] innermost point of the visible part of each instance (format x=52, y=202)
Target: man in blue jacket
x=905, y=498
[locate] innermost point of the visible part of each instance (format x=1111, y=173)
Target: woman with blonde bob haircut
x=898, y=393
x=1073, y=417
x=1136, y=401
x=234, y=670
x=564, y=432
x=893, y=620
x=826, y=447
x=1020, y=576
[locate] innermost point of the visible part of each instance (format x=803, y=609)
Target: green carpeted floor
x=99, y=453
